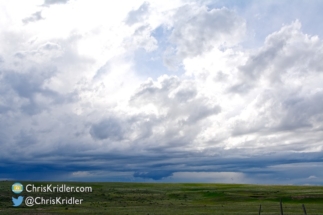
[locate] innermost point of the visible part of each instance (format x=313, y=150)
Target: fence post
x=281, y=208
x=259, y=210
x=304, y=209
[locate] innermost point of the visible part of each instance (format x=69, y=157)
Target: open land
x=172, y=198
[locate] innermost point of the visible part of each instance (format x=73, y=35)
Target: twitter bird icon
x=18, y=201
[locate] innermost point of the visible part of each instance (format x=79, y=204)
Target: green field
x=176, y=198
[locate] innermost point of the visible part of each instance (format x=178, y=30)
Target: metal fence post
x=259, y=210
x=281, y=208
x=304, y=209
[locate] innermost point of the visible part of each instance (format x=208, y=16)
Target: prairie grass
x=173, y=199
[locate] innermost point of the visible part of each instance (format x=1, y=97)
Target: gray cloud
x=27, y=84
x=138, y=15
x=203, y=112
x=261, y=121
x=281, y=167
x=240, y=88
x=287, y=51
x=25, y=138
x=178, y=98
x=183, y=95
x=51, y=2
x=282, y=111
x=33, y=18
x=107, y=129
x=197, y=30
x=50, y=46
x=302, y=111
x=142, y=38
x=178, y=116
x=106, y=68
x=142, y=125
x=276, y=73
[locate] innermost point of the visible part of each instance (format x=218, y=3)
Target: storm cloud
x=175, y=91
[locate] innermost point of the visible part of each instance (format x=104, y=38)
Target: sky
x=162, y=91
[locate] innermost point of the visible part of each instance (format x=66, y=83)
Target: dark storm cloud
x=49, y=172
x=26, y=138
x=32, y=108
x=4, y=109
x=155, y=175
x=58, y=124
x=158, y=167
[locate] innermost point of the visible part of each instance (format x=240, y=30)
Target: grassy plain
x=173, y=198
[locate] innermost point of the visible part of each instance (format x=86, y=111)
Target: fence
x=281, y=209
